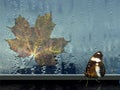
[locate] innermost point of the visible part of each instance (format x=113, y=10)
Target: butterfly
x=95, y=67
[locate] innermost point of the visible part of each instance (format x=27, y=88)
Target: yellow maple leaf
x=36, y=40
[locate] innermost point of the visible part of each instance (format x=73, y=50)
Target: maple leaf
x=36, y=40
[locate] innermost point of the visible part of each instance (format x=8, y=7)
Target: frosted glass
x=89, y=25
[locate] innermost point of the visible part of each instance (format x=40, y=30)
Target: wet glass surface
x=88, y=25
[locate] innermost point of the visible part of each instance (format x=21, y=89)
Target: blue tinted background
x=91, y=25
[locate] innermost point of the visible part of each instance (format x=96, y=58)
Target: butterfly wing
x=102, y=69
x=90, y=70
x=95, y=67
